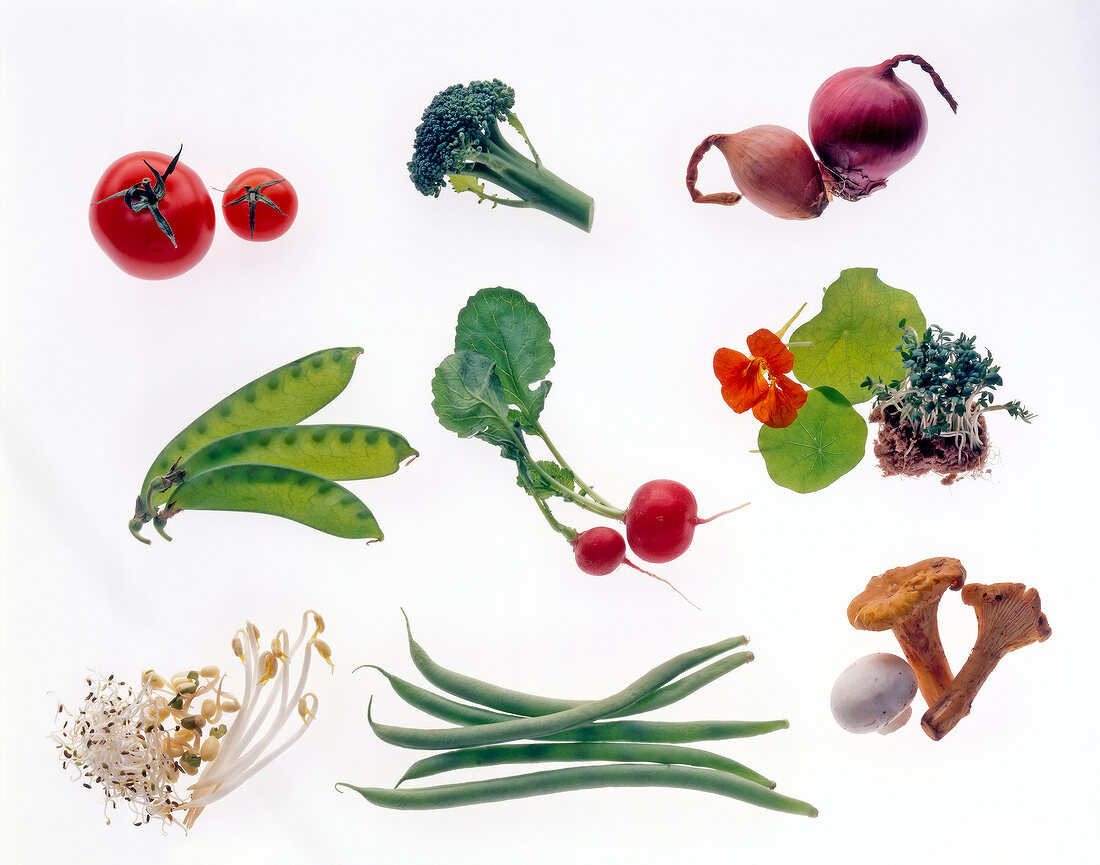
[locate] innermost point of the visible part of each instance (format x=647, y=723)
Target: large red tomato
x=152, y=215
x=260, y=204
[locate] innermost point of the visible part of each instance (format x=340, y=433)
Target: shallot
x=771, y=166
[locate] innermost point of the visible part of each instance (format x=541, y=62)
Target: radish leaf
x=502, y=325
x=469, y=399
x=826, y=441
x=855, y=336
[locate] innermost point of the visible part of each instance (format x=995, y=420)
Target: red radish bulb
x=866, y=123
x=773, y=168
x=661, y=519
x=601, y=550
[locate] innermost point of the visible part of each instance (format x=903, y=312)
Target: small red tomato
x=260, y=204
x=152, y=215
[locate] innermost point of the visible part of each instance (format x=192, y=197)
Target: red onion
x=866, y=123
x=773, y=168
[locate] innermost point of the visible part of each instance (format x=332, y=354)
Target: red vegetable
x=601, y=550
x=152, y=215
x=661, y=519
x=866, y=123
x=773, y=168
x=259, y=205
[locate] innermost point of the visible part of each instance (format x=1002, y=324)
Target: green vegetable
x=620, y=752
x=502, y=325
x=278, y=491
x=283, y=396
x=827, y=440
x=855, y=334
x=459, y=140
x=519, y=703
x=946, y=386
x=249, y=453
x=542, y=725
x=571, y=731
x=339, y=452
x=584, y=778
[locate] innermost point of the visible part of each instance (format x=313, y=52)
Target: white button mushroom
x=873, y=694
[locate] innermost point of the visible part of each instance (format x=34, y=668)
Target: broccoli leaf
x=469, y=399
x=826, y=441
x=855, y=334
x=502, y=325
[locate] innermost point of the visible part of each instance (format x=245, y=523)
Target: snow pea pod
x=555, y=722
x=617, y=752
x=279, y=491
x=283, y=396
x=339, y=452
x=583, y=778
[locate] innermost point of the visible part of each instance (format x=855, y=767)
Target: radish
x=494, y=386
x=661, y=519
x=601, y=550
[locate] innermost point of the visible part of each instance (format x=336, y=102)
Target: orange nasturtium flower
x=760, y=382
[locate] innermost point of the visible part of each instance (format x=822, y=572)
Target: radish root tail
x=663, y=580
x=722, y=513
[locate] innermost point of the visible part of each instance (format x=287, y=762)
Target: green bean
x=689, y=684
x=283, y=396
x=282, y=492
x=519, y=703
x=667, y=731
x=599, y=731
x=583, y=778
x=543, y=725
x=439, y=706
x=499, y=755
x=339, y=452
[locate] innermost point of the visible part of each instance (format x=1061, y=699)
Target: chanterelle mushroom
x=905, y=600
x=1009, y=618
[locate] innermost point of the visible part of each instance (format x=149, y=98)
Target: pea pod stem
x=519, y=703
x=617, y=752
x=543, y=725
x=583, y=778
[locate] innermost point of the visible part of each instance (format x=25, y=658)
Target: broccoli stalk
x=459, y=140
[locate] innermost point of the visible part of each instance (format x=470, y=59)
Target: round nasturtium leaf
x=826, y=441
x=855, y=335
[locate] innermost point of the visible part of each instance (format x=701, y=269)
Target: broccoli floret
x=459, y=140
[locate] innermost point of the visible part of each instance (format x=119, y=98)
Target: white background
x=992, y=227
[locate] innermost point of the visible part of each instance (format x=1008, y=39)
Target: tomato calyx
x=253, y=196
x=147, y=195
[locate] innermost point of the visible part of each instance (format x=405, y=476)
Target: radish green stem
x=591, y=493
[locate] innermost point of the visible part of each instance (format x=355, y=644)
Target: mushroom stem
x=1009, y=617
x=919, y=638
